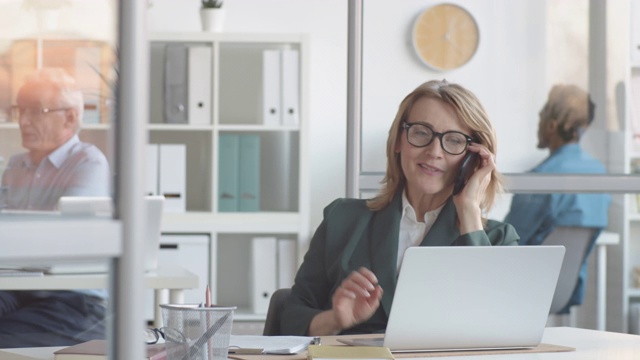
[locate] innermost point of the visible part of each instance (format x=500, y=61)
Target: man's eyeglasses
x=32, y=112
x=421, y=135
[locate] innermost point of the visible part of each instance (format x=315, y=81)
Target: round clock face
x=445, y=36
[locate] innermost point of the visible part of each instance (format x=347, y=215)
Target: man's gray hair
x=65, y=85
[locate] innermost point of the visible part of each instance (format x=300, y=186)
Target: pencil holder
x=193, y=332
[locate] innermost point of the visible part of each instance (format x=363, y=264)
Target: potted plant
x=212, y=15
x=212, y=4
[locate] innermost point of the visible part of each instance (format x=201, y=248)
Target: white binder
x=286, y=262
x=199, y=85
x=152, y=170
x=263, y=280
x=290, y=87
x=173, y=176
x=271, y=88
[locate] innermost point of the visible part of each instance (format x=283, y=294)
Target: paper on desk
x=280, y=345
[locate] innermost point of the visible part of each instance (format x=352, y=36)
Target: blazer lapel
x=444, y=231
x=384, y=248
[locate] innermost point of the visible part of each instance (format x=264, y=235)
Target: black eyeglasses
x=153, y=335
x=32, y=112
x=421, y=135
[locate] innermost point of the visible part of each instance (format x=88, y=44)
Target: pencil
x=207, y=300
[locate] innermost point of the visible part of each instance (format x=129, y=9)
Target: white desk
x=173, y=279
x=589, y=345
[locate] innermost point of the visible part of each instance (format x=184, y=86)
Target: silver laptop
x=471, y=298
x=81, y=206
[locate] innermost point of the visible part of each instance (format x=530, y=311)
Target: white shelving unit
x=236, y=100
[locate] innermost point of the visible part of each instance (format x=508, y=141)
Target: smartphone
x=469, y=164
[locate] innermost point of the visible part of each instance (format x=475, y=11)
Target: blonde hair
x=468, y=109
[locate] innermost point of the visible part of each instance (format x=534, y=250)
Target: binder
x=199, y=85
x=287, y=264
x=249, y=173
x=152, y=166
x=173, y=176
x=263, y=273
x=228, y=173
x=290, y=87
x=271, y=89
x=175, y=84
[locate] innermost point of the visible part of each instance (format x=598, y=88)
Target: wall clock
x=445, y=36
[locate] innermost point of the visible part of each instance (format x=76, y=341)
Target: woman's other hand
x=354, y=301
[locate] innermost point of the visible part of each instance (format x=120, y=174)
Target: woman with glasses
x=438, y=126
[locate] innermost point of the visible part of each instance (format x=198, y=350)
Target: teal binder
x=249, y=173
x=228, y=174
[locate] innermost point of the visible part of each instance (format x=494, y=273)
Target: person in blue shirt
x=49, y=113
x=564, y=118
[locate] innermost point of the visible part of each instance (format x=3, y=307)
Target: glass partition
x=523, y=50
x=58, y=67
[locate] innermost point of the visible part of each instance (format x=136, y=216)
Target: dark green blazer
x=352, y=236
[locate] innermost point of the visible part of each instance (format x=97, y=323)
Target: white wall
x=19, y=20
x=507, y=73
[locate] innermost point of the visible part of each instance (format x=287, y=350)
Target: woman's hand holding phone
x=477, y=165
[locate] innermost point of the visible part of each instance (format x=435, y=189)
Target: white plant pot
x=212, y=19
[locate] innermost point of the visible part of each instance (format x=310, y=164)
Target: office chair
x=576, y=241
x=272, y=323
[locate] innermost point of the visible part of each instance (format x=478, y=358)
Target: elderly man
x=49, y=109
x=56, y=164
x=563, y=119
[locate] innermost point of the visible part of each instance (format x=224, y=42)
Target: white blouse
x=413, y=231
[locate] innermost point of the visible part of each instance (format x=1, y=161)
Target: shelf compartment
x=234, y=268
x=198, y=164
x=244, y=74
x=176, y=102
x=278, y=169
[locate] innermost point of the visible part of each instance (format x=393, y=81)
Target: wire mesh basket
x=194, y=332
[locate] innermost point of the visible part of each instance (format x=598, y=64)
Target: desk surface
x=589, y=344
x=165, y=277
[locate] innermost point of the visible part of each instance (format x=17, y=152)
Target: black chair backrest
x=272, y=323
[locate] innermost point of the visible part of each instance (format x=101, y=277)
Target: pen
x=207, y=300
